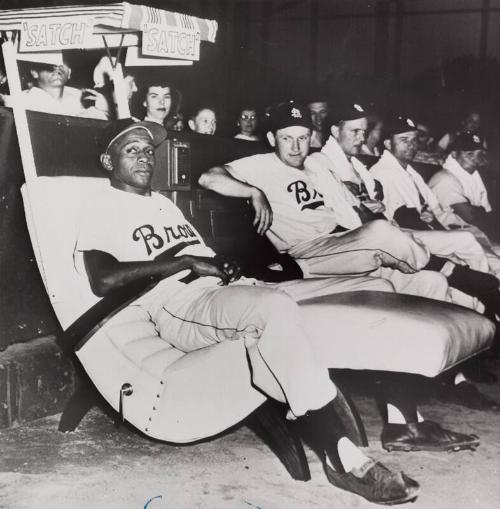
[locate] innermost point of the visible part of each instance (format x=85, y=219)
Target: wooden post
x=18, y=109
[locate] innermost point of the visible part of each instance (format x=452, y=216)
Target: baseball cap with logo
x=345, y=112
x=468, y=142
x=289, y=114
x=118, y=128
x=400, y=124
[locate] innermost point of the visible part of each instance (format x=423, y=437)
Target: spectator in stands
x=426, y=149
x=51, y=94
x=459, y=184
x=103, y=82
x=318, y=110
x=162, y=103
x=374, y=134
x=471, y=123
x=203, y=121
x=247, y=124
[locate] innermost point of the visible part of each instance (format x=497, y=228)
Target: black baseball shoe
x=376, y=483
x=425, y=436
x=467, y=394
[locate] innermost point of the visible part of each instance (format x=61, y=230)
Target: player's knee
x=383, y=285
x=277, y=301
x=435, y=283
x=379, y=227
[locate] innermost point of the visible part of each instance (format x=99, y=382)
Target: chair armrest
x=76, y=334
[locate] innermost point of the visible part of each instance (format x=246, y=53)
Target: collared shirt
x=454, y=185
x=299, y=212
x=352, y=170
x=320, y=169
x=406, y=188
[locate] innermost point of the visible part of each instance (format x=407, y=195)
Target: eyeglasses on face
x=248, y=117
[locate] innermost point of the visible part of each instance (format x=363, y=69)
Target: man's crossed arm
x=106, y=273
x=219, y=179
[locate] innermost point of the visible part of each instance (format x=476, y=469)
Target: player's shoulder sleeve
x=94, y=227
x=447, y=189
x=249, y=169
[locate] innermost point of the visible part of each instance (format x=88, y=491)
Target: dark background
x=430, y=57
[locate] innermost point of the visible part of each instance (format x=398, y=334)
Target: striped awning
x=112, y=18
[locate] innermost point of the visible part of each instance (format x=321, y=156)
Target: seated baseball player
x=293, y=215
x=353, y=210
x=301, y=224
x=459, y=184
x=129, y=233
x=362, y=202
x=412, y=204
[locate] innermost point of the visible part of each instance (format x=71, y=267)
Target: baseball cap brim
x=118, y=128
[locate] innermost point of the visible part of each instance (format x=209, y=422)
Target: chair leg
x=349, y=415
x=83, y=399
x=269, y=423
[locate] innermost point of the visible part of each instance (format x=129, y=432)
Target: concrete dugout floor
x=101, y=467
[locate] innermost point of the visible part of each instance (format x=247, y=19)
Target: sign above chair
x=159, y=34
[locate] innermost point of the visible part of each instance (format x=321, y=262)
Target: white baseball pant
x=370, y=250
x=265, y=316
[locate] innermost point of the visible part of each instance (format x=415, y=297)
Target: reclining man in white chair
x=130, y=233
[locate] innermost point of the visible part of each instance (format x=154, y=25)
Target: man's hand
x=97, y=98
x=427, y=216
x=353, y=187
x=230, y=267
x=377, y=207
x=227, y=270
x=263, y=212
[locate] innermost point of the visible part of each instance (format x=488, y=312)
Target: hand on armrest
x=218, y=179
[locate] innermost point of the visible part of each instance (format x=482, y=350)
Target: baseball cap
x=468, y=142
x=400, y=124
x=346, y=111
x=289, y=114
x=118, y=128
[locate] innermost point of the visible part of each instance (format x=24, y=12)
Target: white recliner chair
x=178, y=397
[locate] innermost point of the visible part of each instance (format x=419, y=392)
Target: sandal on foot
x=425, y=436
x=376, y=483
